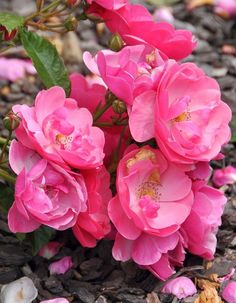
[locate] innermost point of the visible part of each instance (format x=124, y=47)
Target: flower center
x=143, y=154
x=64, y=141
x=148, y=194
x=185, y=116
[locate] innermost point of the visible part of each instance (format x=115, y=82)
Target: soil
x=96, y=276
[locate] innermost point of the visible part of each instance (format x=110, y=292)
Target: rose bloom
x=184, y=112
x=94, y=224
x=147, y=212
x=111, y=4
x=202, y=224
x=44, y=193
x=89, y=92
x=135, y=25
x=125, y=72
x=60, y=131
x=224, y=176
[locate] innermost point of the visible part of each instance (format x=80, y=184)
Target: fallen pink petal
x=50, y=249
x=181, y=287
x=13, y=69
x=61, y=267
x=229, y=292
x=224, y=176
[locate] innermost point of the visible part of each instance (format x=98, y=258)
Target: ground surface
x=96, y=277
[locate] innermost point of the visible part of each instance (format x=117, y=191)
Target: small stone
x=71, y=51
x=101, y=299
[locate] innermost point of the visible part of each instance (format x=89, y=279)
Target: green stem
x=7, y=177
x=98, y=113
x=5, y=146
x=44, y=10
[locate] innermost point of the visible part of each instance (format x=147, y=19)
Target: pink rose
x=181, y=287
x=202, y=224
x=111, y=4
x=229, y=292
x=90, y=92
x=224, y=176
x=135, y=25
x=184, y=112
x=126, y=72
x=146, y=211
x=60, y=131
x=44, y=193
x=94, y=224
x=61, y=267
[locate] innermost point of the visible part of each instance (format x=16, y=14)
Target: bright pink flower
x=61, y=267
x=111, y=4
x=50, y=249
x=135, y=25
x=94, y=224
x=44, y=194
x=202, y=224
x=224, y=176
x=147, y=212
x=13, y=69
x=184, y=112
x=181, y=287
x=225, y=8
x=57, y=300
x=90, y=92
x=125, y=72
x=60, y=131
x=164, y=14
x=229, y=292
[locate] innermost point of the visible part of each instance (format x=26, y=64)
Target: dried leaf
x=209, y=295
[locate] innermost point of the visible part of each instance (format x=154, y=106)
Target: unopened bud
x=11, y=121
x=110, y=97
x=116, y=43
x=119, y=107
x=8, y=35
x=71, y=24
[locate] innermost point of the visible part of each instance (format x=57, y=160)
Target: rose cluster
x=127, y=154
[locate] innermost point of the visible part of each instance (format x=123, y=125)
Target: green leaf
x=20, y=236
x=48, y=63
x=11, y=21
x=6, y=197
x=40, y=237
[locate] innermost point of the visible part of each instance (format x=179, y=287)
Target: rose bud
x=116, y=43
x=11, y=121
